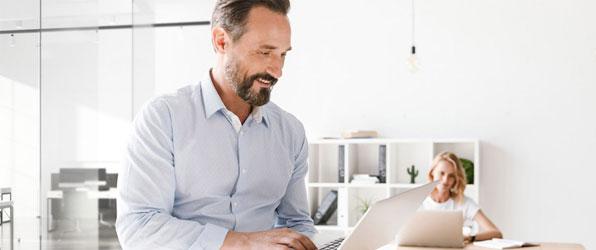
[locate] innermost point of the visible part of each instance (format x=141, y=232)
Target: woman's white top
x=468, y=207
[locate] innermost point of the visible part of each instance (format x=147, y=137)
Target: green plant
x=469, y=168
x=413, y=172
x=363, y=205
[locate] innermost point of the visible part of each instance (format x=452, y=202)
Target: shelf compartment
x=316, y=195
x=358, y=196
x=325, y=162
x=403, y=155
x=366, y=158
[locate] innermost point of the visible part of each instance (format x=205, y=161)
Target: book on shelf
x=326, y=208
x=503, y=244
x=341, y=171
x=382, y=163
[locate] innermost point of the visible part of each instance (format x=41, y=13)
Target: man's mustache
x=264, y=76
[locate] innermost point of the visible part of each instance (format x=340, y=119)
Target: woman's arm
x=488, y=228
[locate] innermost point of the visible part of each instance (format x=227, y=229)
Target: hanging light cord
x=413, y=29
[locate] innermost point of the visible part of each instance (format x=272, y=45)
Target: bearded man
x=216, y=165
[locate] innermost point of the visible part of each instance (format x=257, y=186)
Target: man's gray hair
x=231, y=15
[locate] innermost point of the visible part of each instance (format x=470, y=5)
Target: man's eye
x=266, y=53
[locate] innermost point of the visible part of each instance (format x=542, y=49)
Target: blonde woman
x=449, y=195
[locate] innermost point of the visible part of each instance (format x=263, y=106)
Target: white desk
x=327, y=236
x=85, y=184
x=110, y=194
x=91, y=194
x=541, y=246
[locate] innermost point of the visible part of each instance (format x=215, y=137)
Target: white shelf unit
x=363, y=156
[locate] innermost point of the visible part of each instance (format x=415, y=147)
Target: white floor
x=65, y=236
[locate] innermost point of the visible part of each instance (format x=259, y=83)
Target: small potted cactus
x=413, y=172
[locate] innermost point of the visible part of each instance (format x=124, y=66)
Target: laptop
x=433, y=229
x=383, y=220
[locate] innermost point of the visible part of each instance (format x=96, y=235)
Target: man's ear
x=220, y=40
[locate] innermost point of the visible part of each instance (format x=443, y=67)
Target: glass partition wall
x=19, y=124
x=86, y=91
x=72, y=76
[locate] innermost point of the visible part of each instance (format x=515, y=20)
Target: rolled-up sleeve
x=146, y=190
x=293, y=209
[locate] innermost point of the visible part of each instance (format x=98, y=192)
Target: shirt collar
x=257, y=114
x=211, y=100
x=213, y=103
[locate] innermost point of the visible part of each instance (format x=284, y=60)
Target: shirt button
x=241, y=132
x=235, y=204
x=244, y=170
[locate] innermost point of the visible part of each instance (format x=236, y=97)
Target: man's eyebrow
x=271, y=47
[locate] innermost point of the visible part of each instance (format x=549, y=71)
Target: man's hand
x=281, y=238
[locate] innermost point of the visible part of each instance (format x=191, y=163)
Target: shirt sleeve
x=293, y=210
x=470, y=209
x=146, y=190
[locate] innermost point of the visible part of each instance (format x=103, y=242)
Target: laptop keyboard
x=332, y=245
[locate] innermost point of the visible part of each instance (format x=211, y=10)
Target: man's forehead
x=267, y=21
x=266, y=29
x=268, y=39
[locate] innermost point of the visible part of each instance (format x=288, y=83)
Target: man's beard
x=242, y=85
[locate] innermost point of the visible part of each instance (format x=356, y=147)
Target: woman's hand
x=489, y=230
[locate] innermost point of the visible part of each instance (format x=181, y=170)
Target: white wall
x=517, y=74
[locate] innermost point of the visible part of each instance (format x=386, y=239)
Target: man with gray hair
x=216, y=165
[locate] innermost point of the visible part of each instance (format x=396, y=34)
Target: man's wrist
x=234, y=240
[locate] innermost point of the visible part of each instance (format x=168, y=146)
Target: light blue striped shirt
x=190, y=176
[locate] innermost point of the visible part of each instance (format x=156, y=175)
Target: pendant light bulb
x=413, y=61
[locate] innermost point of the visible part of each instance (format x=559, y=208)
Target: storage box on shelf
x=343, y=166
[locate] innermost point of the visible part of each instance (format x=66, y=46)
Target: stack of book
x=364, y=179
x=356, y=134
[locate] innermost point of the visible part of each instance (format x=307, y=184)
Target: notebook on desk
x=503, y=244
x=382, y=221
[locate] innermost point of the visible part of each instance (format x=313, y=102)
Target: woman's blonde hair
x=457, y=191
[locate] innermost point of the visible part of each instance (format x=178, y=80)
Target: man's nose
x=275, y=68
